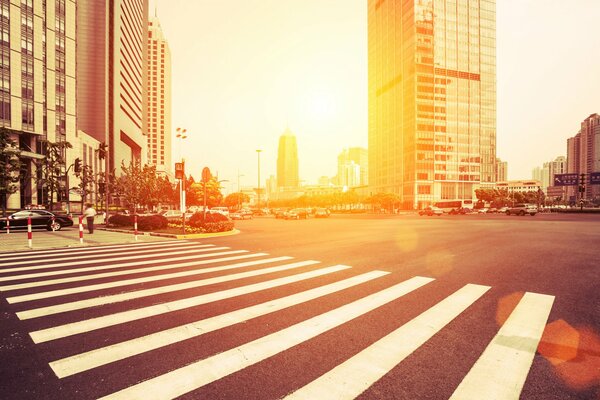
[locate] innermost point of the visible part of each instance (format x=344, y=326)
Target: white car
x=221, y=210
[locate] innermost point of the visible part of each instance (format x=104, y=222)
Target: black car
x=39, y=219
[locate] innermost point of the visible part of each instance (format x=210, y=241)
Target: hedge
x=120, y=220
x=197, y=220
x=152, y=222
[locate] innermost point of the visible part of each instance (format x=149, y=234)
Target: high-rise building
x=432, y=98
x=545, y=174
x=287, y=161
x=159, y=98
x=583, y=156
x=112, y=43
x=348, y=161
x=501, y=170
x=37, y=84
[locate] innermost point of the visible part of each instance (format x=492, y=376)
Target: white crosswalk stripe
x=105, y=297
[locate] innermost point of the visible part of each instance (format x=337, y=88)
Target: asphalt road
x=393, y=307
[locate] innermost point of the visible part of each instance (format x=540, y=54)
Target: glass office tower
x=432, y=98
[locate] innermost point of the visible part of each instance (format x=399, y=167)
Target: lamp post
x=181, y=135
x=258, y=151
x=239, y=191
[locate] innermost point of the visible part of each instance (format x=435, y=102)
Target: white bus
x=454, y=206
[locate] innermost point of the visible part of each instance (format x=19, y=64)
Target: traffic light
x=102, y=151
x=77, y=166
x=582, y=183
x=101, y=188
x=179, y=171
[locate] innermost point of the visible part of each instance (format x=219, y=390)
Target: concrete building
x=112, y=43
x=287, y=161
x=501, y=170
x=583, y=157
x=37, y=85
x=353, y=167
x=545, y=173
x=158, y=84
x=432, y=98
x=520, y=186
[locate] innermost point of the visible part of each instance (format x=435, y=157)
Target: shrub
x=213, y=227
x=152, y=222
x=197, y=220
x=120, y=220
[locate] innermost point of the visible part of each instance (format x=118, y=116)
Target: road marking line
x=96, y=249
x=89, y=288
x=501, y=370
x=352, y=377
x=113, y=266
x=203, y=372
x=75, y=260
x=117, y=298
x=74, y=328
x=85, y=361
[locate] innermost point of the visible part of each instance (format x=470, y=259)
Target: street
x=368, y=306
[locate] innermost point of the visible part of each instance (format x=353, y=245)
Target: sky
x=245, y=70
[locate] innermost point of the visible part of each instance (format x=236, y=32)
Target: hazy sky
x=243, y=70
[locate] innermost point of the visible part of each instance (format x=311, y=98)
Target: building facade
x=520, y=186
x=432, y=98
x=37, y=85
x=501, y=170
x=112, y=47
x=159, y=98
x=545, y=173
x=287, y=161
x=583, y=157
x=353, y=167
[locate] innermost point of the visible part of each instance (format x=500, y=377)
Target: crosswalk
x=155, y=293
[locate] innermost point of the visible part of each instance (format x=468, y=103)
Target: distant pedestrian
x=90, y=214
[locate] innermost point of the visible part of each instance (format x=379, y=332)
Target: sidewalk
x=68, y=237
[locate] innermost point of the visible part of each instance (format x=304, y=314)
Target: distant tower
x=158, y=85
x=287, y=161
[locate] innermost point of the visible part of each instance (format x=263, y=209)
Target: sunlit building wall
x=287, y=161
x=348, y=158
x=432, y=98
x=111, y=76
x=501, y=170
x=37, y=85
x=583, y=156
x=158, y=84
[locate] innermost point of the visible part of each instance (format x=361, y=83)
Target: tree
x=214, y=197
x=10, y=166
x=235, y=200
x=52, y=166
x=86, y=181
x=166, y=191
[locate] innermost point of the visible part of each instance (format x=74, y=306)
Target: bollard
x=81, y=229
x=29, y=235
x=135, y=231
x=7, y=226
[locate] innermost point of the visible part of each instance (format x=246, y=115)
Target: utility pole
x=258, y=187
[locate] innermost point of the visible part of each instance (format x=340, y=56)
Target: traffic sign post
x=595, y=178
x=566, y=179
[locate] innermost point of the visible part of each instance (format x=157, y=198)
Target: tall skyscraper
x=432, y=98
x=583, y=155
x=501, y=170
x=37, y=83
x=112, y=47
x=287, y=161
x=159, y=98
x=348, y=161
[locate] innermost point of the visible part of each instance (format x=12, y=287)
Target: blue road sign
x=566, y=179
x=595, y=178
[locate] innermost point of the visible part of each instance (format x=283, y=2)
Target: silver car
x=522, y=209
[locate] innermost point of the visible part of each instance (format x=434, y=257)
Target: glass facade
x=432, y=98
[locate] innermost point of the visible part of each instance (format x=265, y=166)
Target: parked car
x=321, y=213
x=522, y=209
x=241, y=214
x=297, y=213
x=222, y=210
x=431, y=210
x=280, y=213
x=39, y=219
x=174, y=215
x=503, y=210
x=483, y=210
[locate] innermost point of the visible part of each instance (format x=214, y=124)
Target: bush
x=152, y=222
x=120, y=220
x=197, y=220
x=213, y=227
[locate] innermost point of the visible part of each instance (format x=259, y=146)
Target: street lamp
x=181, y=135
x=239, y=191
x=258, y=189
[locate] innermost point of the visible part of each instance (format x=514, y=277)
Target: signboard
x=566, y=179
x=595, y=178
x=179, y=171
x=206, y=174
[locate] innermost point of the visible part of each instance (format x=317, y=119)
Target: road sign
x=206, y=174
x=595, y=178
x=566, y=179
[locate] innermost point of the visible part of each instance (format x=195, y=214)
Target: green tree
x=214, y=197
x=86, y=183
x=53, y=167
x=10, y=165
x=235, y=200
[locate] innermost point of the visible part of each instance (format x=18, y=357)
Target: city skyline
x=284, y=45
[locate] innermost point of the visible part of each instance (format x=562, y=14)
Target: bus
x=454, y=206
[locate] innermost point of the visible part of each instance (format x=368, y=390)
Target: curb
x=173, y=236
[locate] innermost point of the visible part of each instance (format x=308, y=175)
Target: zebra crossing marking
x=352, y=377
x=85, y=361
x=96, y=250
x=126, y=282
x=203, y=372
x=88, y=325
x=501, y=370
x=110, y=266
x=117, y=298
